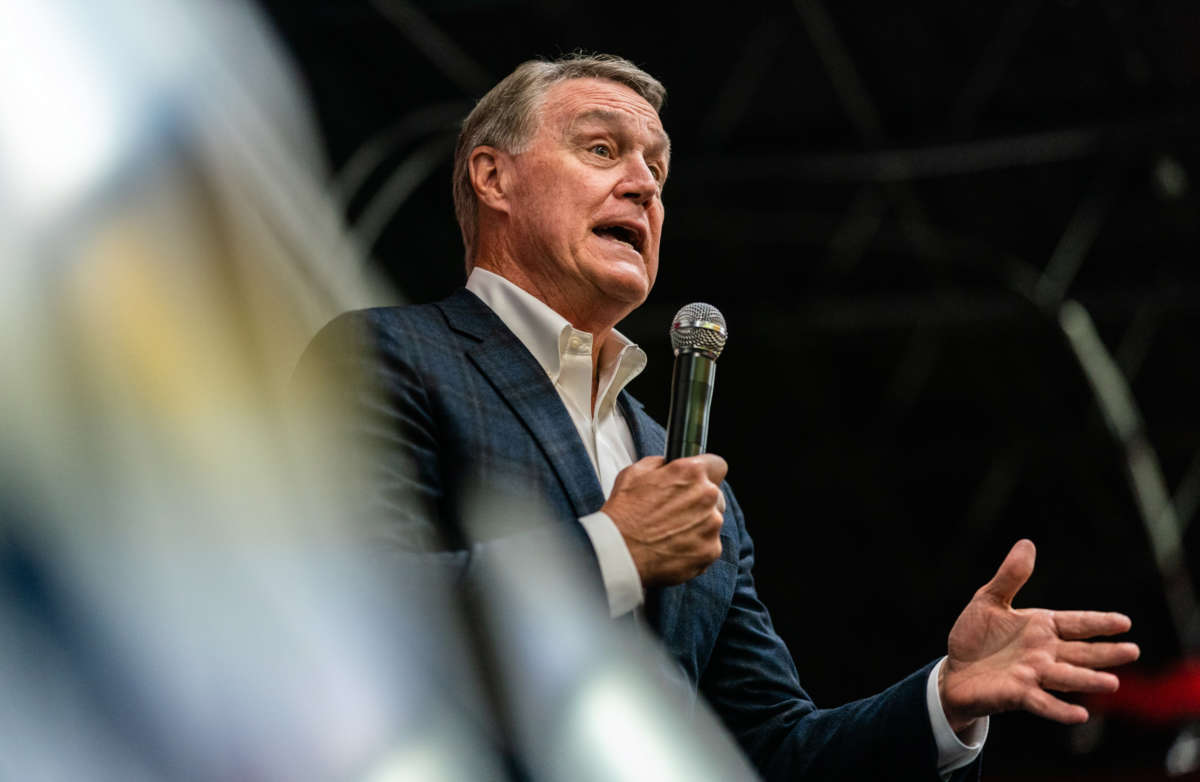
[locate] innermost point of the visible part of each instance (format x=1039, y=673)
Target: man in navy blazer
x=516, y=383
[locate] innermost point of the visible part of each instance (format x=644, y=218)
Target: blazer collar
x=466, y=314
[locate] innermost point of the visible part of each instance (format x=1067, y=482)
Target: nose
x=639, y=183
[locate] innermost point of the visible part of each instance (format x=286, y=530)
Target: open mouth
x=621, y=234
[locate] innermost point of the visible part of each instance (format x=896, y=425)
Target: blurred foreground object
x=176, y=602
x=582, y=698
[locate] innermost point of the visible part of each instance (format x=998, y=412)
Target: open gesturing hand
x=1001, y=658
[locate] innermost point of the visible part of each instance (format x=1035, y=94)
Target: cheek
x=543, y=192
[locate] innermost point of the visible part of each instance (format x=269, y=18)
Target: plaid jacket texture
x=449, y=398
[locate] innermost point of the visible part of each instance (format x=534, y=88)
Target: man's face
x=587, y=207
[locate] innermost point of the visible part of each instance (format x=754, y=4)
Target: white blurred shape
x=414, y=764
x=439, y=755
x=63, y=120
x=619, y=732
x=1184, y=755
x=586, y=699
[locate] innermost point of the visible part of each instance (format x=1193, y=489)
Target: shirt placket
x=575, y=379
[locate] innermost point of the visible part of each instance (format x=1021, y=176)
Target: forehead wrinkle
x=609, y=116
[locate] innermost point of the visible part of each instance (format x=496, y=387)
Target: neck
x=583, y=309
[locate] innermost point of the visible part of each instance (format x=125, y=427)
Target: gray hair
x=506, y=118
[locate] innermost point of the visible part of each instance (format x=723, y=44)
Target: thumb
x=1013, y=573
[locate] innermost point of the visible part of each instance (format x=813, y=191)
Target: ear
x=489, y=170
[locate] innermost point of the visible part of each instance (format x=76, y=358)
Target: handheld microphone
x=698, y=336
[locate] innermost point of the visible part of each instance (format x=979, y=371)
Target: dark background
x=888, y=204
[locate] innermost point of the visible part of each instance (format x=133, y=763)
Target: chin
x=631, y=288
x=621, y=281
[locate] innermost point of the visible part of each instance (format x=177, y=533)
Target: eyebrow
x=662, y=144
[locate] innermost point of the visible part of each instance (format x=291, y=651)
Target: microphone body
x=698, y=336
x=691, y=397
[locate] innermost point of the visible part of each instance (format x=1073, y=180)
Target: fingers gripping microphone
x=698, y=335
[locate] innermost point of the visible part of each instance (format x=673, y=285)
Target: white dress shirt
x=565, y=353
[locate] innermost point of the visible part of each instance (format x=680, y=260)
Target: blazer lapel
x=646, y=440
x=522, y=383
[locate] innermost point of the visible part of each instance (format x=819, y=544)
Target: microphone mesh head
x=701, y=327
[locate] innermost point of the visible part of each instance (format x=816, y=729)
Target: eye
x=657, y=172
x=602, y=150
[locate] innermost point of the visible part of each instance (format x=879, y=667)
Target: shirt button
x=575, y=343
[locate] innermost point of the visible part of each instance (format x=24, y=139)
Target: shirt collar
x=548, y=335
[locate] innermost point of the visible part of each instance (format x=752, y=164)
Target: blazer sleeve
x=752, y=683
x=362, y=387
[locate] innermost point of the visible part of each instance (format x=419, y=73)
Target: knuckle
x=1041, y=626
x=684, y=470
x=648, y=464
x=1044, y=618
x=1027, y=675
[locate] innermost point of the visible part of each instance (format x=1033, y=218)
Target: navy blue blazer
x=456, y=398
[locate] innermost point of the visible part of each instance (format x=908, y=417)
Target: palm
x=986, y=628
x=1000, y=658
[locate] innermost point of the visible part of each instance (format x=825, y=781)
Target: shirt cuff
x=622, y=583
x=953, y=752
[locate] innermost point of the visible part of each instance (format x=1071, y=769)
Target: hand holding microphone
x=670, y=508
